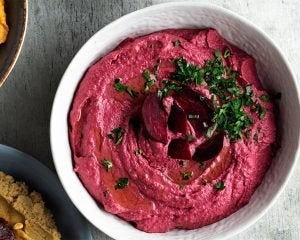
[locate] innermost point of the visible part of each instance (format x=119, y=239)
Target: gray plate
x=23, y=167
x=16, y=16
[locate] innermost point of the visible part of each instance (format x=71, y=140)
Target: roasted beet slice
x=5, y=232
x=209, y=149
x=155, y=118
x=179, y=149
x=177, y=120
x=197, y=109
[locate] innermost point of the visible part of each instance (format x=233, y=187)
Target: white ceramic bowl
x=273, y=70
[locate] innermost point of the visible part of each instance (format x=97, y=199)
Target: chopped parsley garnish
x=107, y=164
x=177, y=43
x=116, y=135
x=182, y=163
x=121, y=183
x=186, y=175
x=210, y=131
x=190, y=137
x=247, y=97
x=260, y=110
x=247, y=134
x=187, y=73
x=202, y=166
x=262, y=113
x=138, y=152
x=214, y=100
x=169, y=86
x=255, y=137
x=226, y=53
x=123, y=88
x=193, y=116
x=149, y=82
x=229, y=116
x=219, y=186
x=232, y=119
x=265, y=98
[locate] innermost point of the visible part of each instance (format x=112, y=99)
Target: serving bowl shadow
x=274, y=72
x=16, y=16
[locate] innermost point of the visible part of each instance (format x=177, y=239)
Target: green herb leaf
x=187, y=73
x=149, y=82
x=219, y=186
x=210, y=131
x=181, y=185
x=190, y=137
x=123, y=88
x=265, y=98
x=169, y=86
x=186, y=175
x=202, y=166
x=214, y=99
x=119, y=86
x=182, y=163
x=122, y=183
x=110, y=136
x=232, y=119
x=116, y=135
x=260, y=110
x=255, y=137
x=247, y=134
x=177, y=43
x=107, y=164
x=218, y=54
x=226, y=53
x=262, y=113
x=138, y=152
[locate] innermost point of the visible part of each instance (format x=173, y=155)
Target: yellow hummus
x=25, y=211
x=3, y=24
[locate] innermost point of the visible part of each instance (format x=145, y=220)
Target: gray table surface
x=58, y=28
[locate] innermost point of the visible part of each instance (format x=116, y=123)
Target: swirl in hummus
x=172, y=130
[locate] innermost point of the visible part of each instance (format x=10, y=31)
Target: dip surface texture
x=147, y=158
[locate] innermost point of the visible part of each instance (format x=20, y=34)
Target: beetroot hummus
x=172, y=130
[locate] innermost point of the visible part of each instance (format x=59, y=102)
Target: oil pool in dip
x=172, y=130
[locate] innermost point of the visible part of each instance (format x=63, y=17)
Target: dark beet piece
x=209, y=149
x=197, y=109
x=155, y=118
x=5, y=232
x=179, y=148
x=177, y=120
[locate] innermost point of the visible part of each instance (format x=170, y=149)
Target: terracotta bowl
x=274, y=72
x=16, y=16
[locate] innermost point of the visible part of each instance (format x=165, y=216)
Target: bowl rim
x=224, y=11
x=20, y=44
